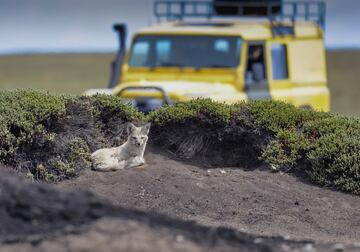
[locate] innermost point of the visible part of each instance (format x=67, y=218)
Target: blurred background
x=66, y=46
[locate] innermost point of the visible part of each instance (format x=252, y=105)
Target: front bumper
x=146, y=104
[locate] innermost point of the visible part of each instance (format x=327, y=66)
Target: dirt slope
x=256, y=201
x=121, y=234
x=35, y=217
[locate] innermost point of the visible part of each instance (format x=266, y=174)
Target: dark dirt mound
x=33, y=210
x=118, y=234
x=254, y=201
x=36, y=217
x=198, y=140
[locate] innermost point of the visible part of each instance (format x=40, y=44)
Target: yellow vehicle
x=238, y=50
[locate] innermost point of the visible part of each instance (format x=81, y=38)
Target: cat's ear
x=146, y=128
x=130, y=128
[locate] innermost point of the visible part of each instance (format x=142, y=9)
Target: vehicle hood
x=183, y=90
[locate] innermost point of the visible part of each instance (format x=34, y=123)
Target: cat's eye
x=134, y=138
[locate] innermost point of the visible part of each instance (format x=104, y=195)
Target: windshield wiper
x=170, y=64
x=214, y=66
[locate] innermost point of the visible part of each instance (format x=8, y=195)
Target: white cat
x=130, y=154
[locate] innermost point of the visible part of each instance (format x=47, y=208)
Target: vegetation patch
x=321, y=147
x=213, y=133
x=50, y=137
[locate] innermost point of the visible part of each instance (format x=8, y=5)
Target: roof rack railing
x=177, y=10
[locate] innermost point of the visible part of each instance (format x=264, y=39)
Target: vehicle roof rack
x=178, y=10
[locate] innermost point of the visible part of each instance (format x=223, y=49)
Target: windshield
x=185, y=51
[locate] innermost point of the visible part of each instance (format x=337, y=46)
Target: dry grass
x=59, y=73
x=344, y=81
x=74, y=73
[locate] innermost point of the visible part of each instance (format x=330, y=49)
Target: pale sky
x=85, y=25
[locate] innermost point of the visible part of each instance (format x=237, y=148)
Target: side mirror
x=116, y=65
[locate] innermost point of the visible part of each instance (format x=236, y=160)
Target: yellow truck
x=226, y=50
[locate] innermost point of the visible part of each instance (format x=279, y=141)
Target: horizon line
x=29, y=51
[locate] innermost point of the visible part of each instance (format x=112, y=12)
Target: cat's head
x=138, y=136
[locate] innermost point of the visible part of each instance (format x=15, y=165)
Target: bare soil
x=121, y=234
x=285, y=214
x=36, y=217
x=252, y=201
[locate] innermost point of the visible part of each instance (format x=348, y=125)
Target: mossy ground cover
x=321, y=147
x=50, y=137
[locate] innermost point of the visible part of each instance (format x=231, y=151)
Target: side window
x=139, y=55
x=279, y=62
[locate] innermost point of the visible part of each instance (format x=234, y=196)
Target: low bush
x=321, y=147
x=51, y=137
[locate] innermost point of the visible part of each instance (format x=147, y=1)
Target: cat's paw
x=141, y=163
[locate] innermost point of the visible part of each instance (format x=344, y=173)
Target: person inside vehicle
x=255, y=71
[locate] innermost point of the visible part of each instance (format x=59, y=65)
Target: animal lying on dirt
x=130, y=154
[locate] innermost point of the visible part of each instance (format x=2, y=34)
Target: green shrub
x=189, y=128
x=335, y=156
x=108, y=108
x=22, y=116
x=320, y=146
x=51, y=137
x=199, y=108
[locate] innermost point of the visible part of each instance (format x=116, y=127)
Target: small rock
x=357, y=244
x=258, y=240
x=222, y=171
x=297, y=203
x=285, y=247
x=286, y=237
x=30, y=176
x=274, y=167
x=338, y=247
x=309, y=248
x=179, y=238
